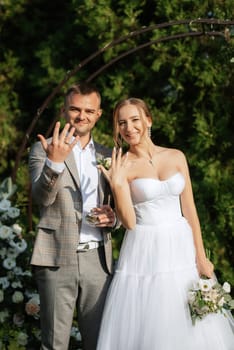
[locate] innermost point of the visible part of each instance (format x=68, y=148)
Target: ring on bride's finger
x=67, y=143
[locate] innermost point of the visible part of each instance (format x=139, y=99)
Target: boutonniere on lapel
x=105, y=162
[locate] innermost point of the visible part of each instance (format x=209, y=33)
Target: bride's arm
x=117, y=178
x=123, y=204
x=204, y=266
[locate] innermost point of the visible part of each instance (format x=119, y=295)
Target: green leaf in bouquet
x=231, y=304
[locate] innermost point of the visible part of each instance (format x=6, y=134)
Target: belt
x=83, y=247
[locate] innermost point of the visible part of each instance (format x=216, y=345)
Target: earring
x=149, y=131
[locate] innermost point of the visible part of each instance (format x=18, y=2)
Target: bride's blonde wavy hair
x=140, y=105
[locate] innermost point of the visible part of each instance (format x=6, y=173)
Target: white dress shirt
x=87, y=169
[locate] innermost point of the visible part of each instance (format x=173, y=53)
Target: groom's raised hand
x=61, y=143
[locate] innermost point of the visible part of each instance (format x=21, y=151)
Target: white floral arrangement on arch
x=208, y=296
x=19, y=300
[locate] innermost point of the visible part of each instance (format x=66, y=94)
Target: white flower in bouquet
x=210, y=297
x=205, y=285
x=191, y=296
x=226, y=287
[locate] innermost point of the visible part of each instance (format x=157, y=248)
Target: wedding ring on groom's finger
x=66, y=143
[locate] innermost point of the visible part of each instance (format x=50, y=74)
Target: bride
x=162, y=254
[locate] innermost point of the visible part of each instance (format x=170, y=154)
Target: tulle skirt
x=147, y=304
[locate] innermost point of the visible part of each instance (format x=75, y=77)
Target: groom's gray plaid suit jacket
x=60, y=201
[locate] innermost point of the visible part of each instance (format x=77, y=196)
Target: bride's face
x=133, y=124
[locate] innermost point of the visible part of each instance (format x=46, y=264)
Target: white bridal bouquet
x=208, y=296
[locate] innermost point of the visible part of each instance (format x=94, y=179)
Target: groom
x=72, y=260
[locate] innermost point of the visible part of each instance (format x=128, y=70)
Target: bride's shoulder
x=173, y=152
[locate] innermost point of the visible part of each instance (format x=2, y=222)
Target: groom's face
x=82, y=112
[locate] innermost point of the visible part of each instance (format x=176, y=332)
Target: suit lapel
x=101, y=184
x=101, y=180
x=72, y=168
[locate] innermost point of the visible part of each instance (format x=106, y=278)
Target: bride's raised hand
x=117, y=173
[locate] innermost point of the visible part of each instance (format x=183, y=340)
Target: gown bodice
x=157, y=200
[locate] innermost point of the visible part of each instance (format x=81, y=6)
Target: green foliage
x=9, y=9
x=10, y=72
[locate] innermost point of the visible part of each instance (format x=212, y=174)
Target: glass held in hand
x=92, y=218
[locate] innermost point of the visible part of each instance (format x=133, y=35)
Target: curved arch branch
x=149, y=43
x=191, y=31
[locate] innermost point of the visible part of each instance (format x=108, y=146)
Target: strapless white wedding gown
x=147, y=303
